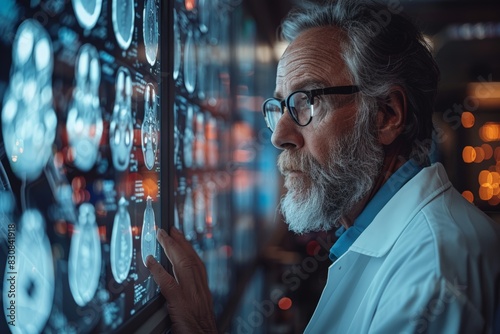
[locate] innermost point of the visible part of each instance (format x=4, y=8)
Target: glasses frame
x=311, y=94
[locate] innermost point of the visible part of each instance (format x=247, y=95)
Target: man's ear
x=391, y=116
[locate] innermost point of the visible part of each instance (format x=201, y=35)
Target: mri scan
x=84, y=123
x=28, y=117
x=150, y=127
x=121, y=132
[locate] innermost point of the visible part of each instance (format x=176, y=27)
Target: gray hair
x=382, y=49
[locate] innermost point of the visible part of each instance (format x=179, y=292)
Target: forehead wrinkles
x=313, y=56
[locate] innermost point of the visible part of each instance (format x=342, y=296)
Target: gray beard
x=317, y=200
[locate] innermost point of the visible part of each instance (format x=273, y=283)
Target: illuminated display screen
x=80, y=163
x=203, y=186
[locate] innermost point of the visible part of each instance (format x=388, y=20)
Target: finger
x=176, y=247
x=186, y=264
x=168, y=285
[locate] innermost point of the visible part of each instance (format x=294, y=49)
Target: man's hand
x=189, y=302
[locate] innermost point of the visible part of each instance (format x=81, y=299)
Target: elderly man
x=352, y=114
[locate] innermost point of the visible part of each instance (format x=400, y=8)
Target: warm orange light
x=494, y=201
x=468, y=119
x=488, y=151
x=102, y=233
x=496, y=153
x=479, y=154
x=285, y=303
x=190, y=4
x=468, y=195
x=469, y=154
x=490, y=132
x=150, y=186
x=486, y=192
x=485, y=177
x=496, y=189
x=486, y=92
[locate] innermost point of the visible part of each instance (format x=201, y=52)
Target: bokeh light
x=469, y=154
x=285, y=303
x=468, y=119
x=488, y=151
x=479, y=154
x=486, y=192
x=485, y=177
x=490, y=132
x=468, y=195
x=190, y=4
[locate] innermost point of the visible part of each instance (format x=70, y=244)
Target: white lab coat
x=428, y=263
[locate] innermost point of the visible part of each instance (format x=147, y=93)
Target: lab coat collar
x=379, y=237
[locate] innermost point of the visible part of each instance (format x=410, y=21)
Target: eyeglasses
x=300, y=105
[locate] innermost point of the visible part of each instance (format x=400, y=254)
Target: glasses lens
x=272, y=111
x=300, y=107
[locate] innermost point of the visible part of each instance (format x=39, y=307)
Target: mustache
x=289, y=161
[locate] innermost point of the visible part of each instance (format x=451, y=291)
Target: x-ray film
x=87, y=12
x=81, y=95
x=121, y=243
x=28, y=117
x=150, y=127
x=84, y=123
x=85, y=256
x=150, y=30
x=31, y=279
x=123, y=14
x=148, y=235
x=121, y=132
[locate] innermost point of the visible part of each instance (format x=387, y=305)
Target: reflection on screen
x=202, y=140
x=80, y=169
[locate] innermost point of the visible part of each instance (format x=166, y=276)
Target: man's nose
x=287, y=134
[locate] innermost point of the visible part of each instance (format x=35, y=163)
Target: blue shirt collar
x=347, y=237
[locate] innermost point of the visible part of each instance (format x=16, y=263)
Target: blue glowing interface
x=79, y=162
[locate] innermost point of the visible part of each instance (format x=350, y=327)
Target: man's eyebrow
x=302, y=85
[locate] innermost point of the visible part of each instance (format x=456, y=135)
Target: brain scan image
x=177, y=138
x=188, y=138
x=28, y=117
x=84, y=256
x=189, y=229
x=35, y=276
x=122, y=16
x=121, y=243
x=200, y=206
x=177, y=222
x=150, y=30
x=121, y=132
x=200, y=141
x=150, y=127
x=148, y=235
x=190, y=63
x=84, y=122
x=203, y=60
x=87, y=12
x=204, y=14
x=177, y=48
